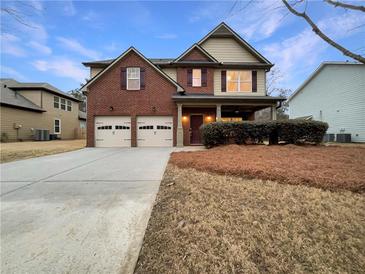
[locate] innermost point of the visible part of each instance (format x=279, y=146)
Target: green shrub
x=288, y=131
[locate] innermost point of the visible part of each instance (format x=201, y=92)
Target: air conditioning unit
x=329, y=137
x=343, y=138
x=41, y=135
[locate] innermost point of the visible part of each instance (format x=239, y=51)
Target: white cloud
x=258, y=20
x=254, y=20
x=37, y=5
x=62, y=67
x=304, y=50
x=90, y=16
x=38, y=32
x=112, y=47
x=11, y=73
x=303, y=47
x=75, y=46
x=9, y=45
x=68, y=7
x=40, y=47
x=167, y=36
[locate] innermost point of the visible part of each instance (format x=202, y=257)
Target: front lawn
x=208, y=223
x=330, y=168
x=24, y=150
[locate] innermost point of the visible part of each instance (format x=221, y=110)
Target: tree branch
x=345, y=5
x=317, y=31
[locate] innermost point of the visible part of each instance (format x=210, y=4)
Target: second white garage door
x=154, y=131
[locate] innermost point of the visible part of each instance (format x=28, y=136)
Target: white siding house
x=334, y=93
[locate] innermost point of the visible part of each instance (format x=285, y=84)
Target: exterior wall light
x=184, y=118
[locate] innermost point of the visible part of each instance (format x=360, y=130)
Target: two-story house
x=26, y=107
x=136, y=101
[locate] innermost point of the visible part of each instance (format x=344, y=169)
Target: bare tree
x=345, y=5
x=19, y=11
x=320, y=33
x=272, y=78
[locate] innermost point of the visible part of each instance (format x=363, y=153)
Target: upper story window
x=133, y=78
x=56, y=102
x=197, y=78
x=69, y=105
x=63, y=103
x=239, y=81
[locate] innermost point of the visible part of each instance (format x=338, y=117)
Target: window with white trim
x=197, y=77
x=133, y=78
x=69, y=105
x=56, y=102
x=63, y=103
x=239, y=81
x=57, y=126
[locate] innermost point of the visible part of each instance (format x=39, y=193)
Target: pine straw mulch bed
x=208, y=223
x=329, y=168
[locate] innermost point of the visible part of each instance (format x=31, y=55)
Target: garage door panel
x=155, y=131
x=112, y=131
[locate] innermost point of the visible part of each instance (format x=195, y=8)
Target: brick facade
x=195, y=55
x=106, y=92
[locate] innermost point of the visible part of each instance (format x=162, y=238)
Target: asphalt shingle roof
x=15, y=85
x=12, y=98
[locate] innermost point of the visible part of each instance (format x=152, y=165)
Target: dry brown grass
x=24, y=150
x=330, y=168
x=206, y=223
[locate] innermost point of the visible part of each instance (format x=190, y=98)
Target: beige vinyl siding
x=35, y=120
x=94, y=71
x=69, y=119
x=33, y=95
x=171, y=72
x=28, y=119
x=261, y=85
x=228, y=50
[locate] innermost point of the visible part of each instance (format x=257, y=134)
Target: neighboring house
x=29, y=106
x=334, y=93
x=136, y=101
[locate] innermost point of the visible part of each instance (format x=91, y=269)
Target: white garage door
x=154, y=131
x=112, y=131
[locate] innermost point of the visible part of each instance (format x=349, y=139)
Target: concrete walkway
x=84, y=211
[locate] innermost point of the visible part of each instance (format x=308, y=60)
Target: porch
x=196, y=110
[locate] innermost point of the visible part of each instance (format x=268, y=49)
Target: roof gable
x=120, y=57
x=316, y=72
x=12, y=98
x=224, y=31
x=195, y=53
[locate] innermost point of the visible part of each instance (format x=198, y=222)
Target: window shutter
x=142, y=75
x=223, y=80
x=123, y=78
x=254, y=81
x=204, y=77
x=190, y=77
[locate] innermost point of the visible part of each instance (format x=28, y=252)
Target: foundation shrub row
x=287, y=131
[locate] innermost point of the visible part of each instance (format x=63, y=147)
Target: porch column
x=180, y=130
x=218, y=113
x=273, y=112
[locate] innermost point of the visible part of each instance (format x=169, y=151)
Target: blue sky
x=62, y=34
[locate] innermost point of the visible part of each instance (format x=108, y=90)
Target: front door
x=195, y=123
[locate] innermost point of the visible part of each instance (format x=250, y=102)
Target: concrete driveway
x=78, y=212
